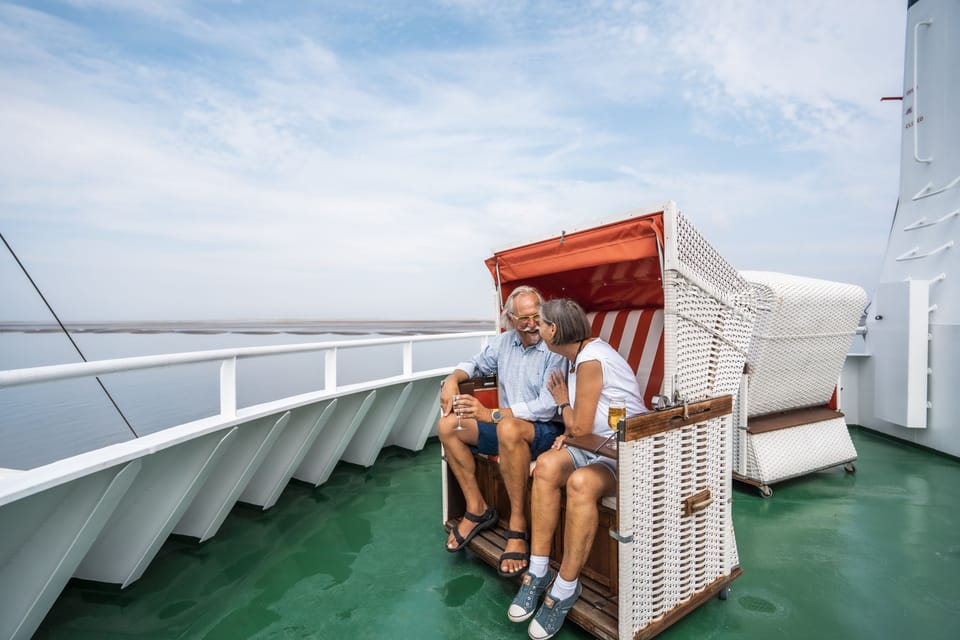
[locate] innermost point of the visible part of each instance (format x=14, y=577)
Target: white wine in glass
x=459, y=426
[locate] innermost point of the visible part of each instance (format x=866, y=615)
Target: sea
x=41, y=423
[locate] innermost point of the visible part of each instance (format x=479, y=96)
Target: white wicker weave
x=676, y=537
x=669, y=558
x=709, y=312
x=788, y=453
x=803, y=331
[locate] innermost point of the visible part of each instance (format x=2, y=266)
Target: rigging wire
x=67, y=333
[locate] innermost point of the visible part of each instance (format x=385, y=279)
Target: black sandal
x=484, y=521
x=515, y=555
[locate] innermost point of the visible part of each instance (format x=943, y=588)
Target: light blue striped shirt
x=522, y=373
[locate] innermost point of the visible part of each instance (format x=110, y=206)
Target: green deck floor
x=831, y=555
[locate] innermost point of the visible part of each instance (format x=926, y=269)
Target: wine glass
x=617, y=411
x=459, y=426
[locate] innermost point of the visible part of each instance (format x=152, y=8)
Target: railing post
x=408, y=358
x=330, y=370
x=228, y=387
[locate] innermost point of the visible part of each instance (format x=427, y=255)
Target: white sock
x=563, y=589
x=538, y=565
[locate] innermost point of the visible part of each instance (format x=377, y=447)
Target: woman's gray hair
x=570, y=318
x=509, y=307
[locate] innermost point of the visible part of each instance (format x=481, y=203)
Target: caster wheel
x=723, y=593
x=766, y=491
x=850, y=467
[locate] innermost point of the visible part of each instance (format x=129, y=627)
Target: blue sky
x=186, y=159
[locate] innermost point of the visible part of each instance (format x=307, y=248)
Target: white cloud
x=812, y=64
x=280, y=165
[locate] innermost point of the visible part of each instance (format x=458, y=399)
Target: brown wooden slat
x=654, y=422
x=470, y=385
x=697, y=502
x=751, y=481
x=596, y=609
x=792, y=418
x=681, y=610
x=592, y=442
x=456, y=504
x=484, y=389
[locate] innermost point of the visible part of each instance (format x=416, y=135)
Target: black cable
x=67, y=333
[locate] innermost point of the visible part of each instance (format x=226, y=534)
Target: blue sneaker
x=551, y=615
x=526, y=600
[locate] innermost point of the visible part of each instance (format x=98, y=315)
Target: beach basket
x=787, y=418
x=682, y=317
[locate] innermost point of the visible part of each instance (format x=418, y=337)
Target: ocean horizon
x=43, y=422
x=295, y=327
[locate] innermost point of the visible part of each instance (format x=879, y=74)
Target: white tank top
x=618, y=379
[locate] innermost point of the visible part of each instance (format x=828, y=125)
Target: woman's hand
x=559, y=443
x=557, y=386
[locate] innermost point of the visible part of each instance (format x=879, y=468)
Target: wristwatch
x=496, y=416
x=561, y=407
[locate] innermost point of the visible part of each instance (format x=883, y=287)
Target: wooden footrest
x=792, y=418
x=596, y=609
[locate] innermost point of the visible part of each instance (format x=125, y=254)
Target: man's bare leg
x=456, y=447
x=515, y=437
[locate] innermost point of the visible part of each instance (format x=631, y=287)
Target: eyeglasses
x=535, y=317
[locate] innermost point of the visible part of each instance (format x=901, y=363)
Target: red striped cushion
x=637, y=334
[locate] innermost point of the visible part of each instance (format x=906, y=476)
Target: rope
x=67, y=333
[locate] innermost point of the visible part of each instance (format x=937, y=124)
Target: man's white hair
x=509, y=307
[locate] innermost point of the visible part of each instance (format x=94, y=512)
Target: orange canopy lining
x=614, y=266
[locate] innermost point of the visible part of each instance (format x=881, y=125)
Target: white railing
x=228, y=362
x=103, y=514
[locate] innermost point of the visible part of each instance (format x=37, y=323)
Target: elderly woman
x=598, y=376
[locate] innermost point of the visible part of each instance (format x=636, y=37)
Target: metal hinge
x=619, y=538
x=662, y=403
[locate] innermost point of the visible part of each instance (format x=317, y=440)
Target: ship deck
x=831, y=555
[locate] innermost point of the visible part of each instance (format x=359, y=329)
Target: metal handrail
x=928, y=189
x=914, y=254
x=17, y=377
x=923, y=223
x=916, y=97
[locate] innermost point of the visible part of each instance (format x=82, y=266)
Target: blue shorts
x=544, y=434
x=582, y=457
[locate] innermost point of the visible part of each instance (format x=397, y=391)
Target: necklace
x=573, y=363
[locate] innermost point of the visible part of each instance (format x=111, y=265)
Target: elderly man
x=519, y=430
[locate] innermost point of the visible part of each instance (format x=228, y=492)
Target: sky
x=221, y=159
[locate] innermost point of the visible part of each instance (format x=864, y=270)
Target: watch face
x=496, y=415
